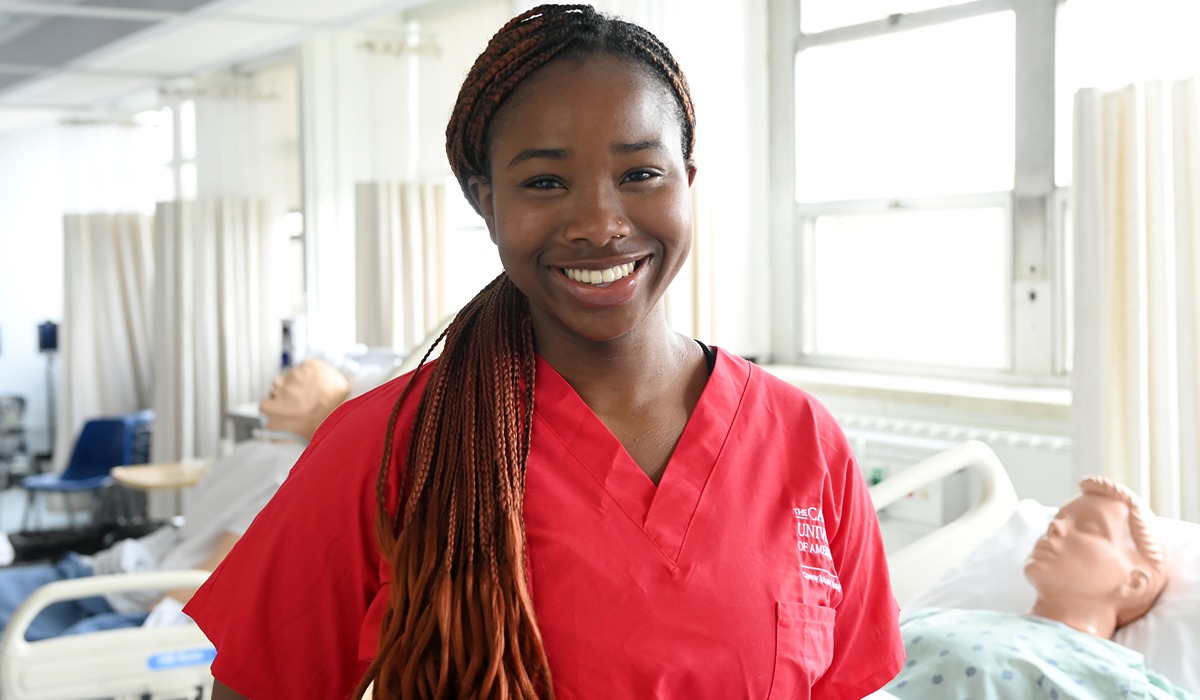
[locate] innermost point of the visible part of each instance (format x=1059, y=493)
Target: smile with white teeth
x=612, y=274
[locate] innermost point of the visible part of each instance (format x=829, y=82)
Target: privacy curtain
x=104, y=338
x=1136, y=376
x=103, y=363
x=217, y=338
x=399, y=259
x=401, y=88
x=221, y=264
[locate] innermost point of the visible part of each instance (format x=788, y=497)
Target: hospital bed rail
x=915, y=567
x=143, y=663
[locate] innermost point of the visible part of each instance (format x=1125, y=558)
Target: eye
x=642, y=175
x=542, y=182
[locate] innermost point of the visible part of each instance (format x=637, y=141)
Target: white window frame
x=1038, y=319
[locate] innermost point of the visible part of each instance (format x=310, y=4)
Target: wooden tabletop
x=162, y=475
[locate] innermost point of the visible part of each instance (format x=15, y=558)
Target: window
x=925, y=221
x=176, y=125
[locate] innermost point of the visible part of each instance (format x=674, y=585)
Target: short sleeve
x=868, y=649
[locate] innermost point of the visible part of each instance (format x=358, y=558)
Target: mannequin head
x=1101, y=563
x=303, y=396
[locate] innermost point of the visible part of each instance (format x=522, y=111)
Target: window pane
x=927, y=111
x=187, y=181
x=924, y=286
x=819, y=15
x=187, y=130
x=164, y=184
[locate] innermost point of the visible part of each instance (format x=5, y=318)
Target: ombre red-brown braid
x=460, y=621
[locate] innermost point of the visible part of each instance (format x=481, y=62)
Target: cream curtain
x=222, y=264
x=104, y=361
x=403, y=91
x=400, y=258
x=217, y=339
x=104, y=338
x=1136, y=376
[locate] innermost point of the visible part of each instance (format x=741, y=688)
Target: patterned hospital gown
x=988, y=655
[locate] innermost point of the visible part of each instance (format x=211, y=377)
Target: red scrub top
x=754, y=569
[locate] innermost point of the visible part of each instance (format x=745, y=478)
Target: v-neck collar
x=662, y=512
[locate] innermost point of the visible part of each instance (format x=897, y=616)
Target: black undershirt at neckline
x=710, y=356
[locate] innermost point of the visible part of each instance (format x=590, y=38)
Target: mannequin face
x=303, y=396
x=1087, y=552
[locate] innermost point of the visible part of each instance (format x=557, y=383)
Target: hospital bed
x=977, y=561
x=150, y=663
x=145, y=663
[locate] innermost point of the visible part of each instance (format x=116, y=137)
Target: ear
x=691, y=172
x=1138, y=583
x=481, y=192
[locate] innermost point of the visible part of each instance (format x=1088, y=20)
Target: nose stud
x=620, y=223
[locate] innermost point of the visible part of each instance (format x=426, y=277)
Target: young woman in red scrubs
x=573, y=501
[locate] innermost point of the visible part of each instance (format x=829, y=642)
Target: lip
x=610, y=294
x=1044, y=545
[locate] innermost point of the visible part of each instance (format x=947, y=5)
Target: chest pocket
x=803, y=648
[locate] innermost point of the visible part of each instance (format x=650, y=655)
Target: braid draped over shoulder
x=459, y=621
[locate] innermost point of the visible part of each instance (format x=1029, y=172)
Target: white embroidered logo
x=812, y=540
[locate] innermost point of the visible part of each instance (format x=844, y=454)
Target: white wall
x=31, y=255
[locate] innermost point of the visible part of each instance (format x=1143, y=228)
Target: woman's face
x=588, y=196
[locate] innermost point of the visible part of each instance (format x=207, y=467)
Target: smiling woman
x=573, y=500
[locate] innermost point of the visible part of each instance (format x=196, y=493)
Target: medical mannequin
x=1100, y=565
x=302, y=397
x=216, y=513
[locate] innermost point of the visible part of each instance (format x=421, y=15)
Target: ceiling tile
x=53, y=41
x=196, y=45
x=322, y=10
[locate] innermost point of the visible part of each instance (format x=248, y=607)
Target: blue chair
x=103, y=443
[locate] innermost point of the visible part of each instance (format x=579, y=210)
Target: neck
x=1097, y=620
x=633, y=368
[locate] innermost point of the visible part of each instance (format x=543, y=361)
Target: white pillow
x=992, y=577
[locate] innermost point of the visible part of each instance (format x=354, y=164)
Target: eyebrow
x=561, y=153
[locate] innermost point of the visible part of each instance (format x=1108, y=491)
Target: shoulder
x=375, y=406
x=344, y=458
x=360, y=424
x=797, y=412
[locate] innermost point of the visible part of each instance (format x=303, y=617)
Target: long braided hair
x=460, y=621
